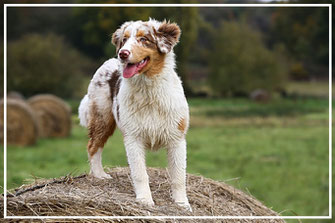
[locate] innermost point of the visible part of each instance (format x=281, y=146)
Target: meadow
x=276, y=151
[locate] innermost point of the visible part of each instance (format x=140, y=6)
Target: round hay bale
x=22, y=124
x=260, y=95
x=88, y=196
x=15, y=95
x=54, y=115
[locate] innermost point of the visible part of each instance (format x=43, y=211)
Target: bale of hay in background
x=260, y=95
x=88, y=196
x=22, y=124
x=15, y=95
x=53, y=113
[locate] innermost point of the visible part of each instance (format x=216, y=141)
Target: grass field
x=277, y=152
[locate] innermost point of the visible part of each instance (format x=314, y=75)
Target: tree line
x=231, y=51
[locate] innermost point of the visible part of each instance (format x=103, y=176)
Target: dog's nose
x=124, y=54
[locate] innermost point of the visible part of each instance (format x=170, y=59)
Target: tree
x=240, y=63
x=44, y=64
x=92, y=28
x=304, y=32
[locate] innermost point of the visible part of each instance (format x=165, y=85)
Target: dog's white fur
x=147, y=110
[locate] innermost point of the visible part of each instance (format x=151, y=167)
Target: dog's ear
x=167, y=36
x=116, y=37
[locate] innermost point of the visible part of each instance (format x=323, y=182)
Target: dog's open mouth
x=133, y=68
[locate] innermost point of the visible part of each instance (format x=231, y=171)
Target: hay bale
x=54, y=115
x=88, y=196
x=260, y=95
x=22, y=124
x=15, y=95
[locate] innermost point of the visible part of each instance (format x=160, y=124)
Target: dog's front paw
x=145, y=201
x=185, y=205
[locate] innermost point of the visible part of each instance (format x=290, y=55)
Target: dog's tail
x=83, y=111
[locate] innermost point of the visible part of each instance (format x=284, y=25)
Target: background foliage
x=245, y=63
x=288, y=43
x=45, y=56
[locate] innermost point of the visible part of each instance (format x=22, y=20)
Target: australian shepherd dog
x=140, y=93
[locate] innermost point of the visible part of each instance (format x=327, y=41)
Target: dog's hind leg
x=99, y=131
x=96, y=165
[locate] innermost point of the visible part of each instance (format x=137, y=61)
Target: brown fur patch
x=114, y=84
x=182, y=125
x=140, y=33
x=151, y=43
x=156, y=62
x=98, y=84
x=150, y=37
x=100, y=127
x=126, y=34
x=118, y=112
x=170, y=33
x=170, y=30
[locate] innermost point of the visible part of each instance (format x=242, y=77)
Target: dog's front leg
x=136, y=159
x=177, y=170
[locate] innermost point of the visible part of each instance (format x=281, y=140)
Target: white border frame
x=329, y=6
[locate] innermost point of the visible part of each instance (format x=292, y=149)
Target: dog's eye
x=143, y=39
x=124, y=40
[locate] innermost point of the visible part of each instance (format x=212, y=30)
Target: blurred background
x=256, y=80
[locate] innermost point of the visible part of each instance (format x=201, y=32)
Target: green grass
x=308, y=88
x=239, y=108
x=278, y=152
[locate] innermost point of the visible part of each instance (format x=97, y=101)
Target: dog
x=140, y=93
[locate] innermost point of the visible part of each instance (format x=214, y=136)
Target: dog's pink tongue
x=129, y=71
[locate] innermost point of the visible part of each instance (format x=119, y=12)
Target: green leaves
x=240, y=63
x=45, y=63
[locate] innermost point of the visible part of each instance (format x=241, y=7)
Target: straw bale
x=22, y=124
x=15, y=95
x=87, y=196
x=53, y=113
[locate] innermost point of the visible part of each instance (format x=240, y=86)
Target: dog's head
x=142, y=46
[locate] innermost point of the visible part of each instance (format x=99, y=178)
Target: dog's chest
x=151, y=117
